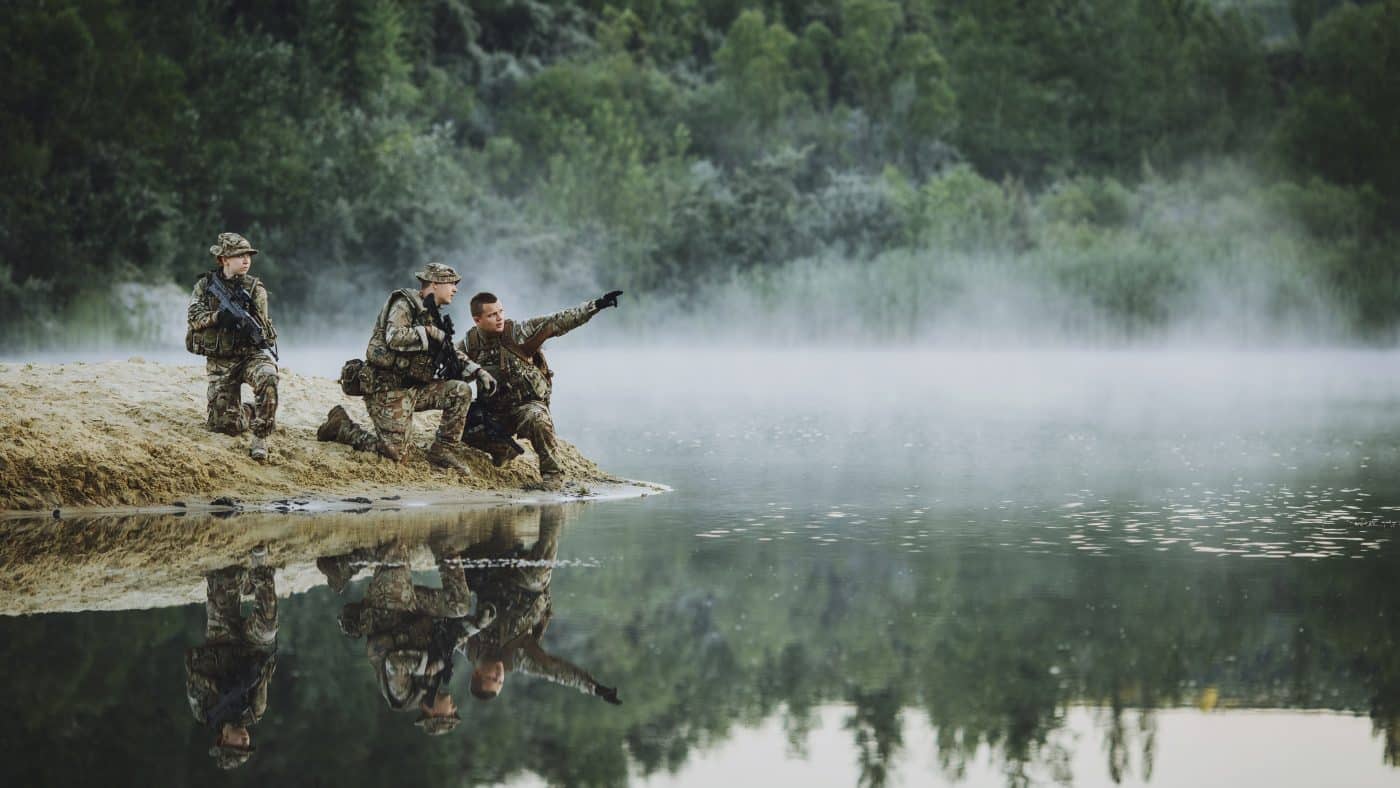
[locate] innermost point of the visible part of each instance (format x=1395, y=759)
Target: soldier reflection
x=515, y=582
x=410, y=631
x=227, y=676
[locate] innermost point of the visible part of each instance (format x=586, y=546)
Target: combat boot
x=552, y=480
x=339, y=571
x=335, y=423
x=443, y=454
x=258, y=448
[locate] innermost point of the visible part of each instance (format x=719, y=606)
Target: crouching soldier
x=511, y=354
x=399, y=378
x=229, y=325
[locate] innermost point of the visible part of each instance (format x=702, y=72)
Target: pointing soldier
x=510, y=353
x=399, y=376
x=229, y=325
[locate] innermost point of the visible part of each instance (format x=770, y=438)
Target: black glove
x=608, y=300
x=608, y=694
x=226, y=320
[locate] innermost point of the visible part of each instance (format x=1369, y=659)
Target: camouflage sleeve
x=400, y=333
x=534, y=661
x=202, y=695
x=563, y=321
x=199, y=313
x=260, y=309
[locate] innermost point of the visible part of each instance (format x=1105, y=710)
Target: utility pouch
x=350, y=378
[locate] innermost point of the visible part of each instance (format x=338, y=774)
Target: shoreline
x=128, y=437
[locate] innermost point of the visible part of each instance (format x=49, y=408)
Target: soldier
x=510, y=352
x=227, y=677
x=411, y=633
x=514, y=582
x=398, y=377
x=236, y=346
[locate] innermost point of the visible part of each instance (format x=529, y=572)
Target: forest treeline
x=1115, y=153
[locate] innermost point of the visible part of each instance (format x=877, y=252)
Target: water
x=1165, y=568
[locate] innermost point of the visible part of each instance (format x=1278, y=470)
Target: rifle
x=446, y=364
x=481, y=420
x=234, y=699
x=237, y=306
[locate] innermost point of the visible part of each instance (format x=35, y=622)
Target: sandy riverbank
x=131, y=434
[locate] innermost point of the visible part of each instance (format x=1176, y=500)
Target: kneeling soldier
x=399, y=377
x=230, y=326
x=510, y=352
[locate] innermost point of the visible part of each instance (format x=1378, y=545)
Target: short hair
x=480, y=300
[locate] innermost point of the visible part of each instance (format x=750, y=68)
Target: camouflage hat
x=438, y=273
x=231, y=245
x=437, y=725
x=226, y=756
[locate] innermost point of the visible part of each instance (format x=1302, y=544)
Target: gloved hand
x=225, y=319
x=485, y=382
x=608, y=300
x=608, y=694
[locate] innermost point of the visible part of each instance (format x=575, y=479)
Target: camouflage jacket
x=399, y=351
x=213, y=669
x=204, y=336
x=523, y=612
x=527, y=380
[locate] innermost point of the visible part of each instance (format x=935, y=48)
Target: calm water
x=876, y=568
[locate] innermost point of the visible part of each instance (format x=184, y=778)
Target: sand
x=146, y=561
x=131, y=434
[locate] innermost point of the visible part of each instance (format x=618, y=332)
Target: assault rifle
x=480, y=420
x=237, y=305
x=446, y=364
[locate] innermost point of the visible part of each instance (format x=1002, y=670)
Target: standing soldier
x=230, y=326
x=510, y=352
x=399, y=377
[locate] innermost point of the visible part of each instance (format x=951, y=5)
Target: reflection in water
x=410, y=631
x=975, y=660
x=227, y=676
x=514, y=581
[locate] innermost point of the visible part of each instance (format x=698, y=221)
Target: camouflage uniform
x=520, y=595
x=402, y=622
x=398, y=376
x=238, y=650
x=522, y=406
x=231, y=360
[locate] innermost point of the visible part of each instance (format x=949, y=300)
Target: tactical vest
x=396, y=368
x=220, y=342
x=520, y=365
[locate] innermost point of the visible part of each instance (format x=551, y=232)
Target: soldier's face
x=492, y=319
x=491, y=676
x=234, y=736
x=237, y=265
x=443, y=292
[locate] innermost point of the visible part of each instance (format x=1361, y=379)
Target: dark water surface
x=902, y=568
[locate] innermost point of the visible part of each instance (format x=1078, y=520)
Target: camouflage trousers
x=392, y=413
x=532, y=422
x=224, y=619
x=392, y=588
x=226, y=378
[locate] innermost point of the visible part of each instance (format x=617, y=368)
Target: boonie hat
x=231, y=245
x=438, y=273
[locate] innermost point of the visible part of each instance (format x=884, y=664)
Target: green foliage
x=678, y=141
